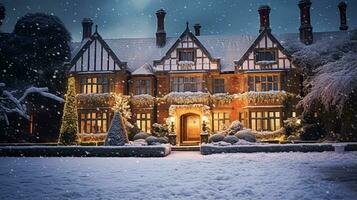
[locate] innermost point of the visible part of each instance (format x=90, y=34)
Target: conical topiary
x=69, y=126
x=117, y=134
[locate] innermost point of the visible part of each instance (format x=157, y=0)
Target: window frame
x=90, y=125
x=265, y=120
x=220, y=119
x=142, y=86
x=218, y=86
x=258, y=57
x=181, y=53
x=261, y=83
x=94, y=85
x=186, y=84
x=143, y=121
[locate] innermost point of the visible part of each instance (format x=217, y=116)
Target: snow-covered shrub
x=311, y=132
x=152, y=140
x=162, y=140
x=69, y=126
x=216, y=138
x=160, y=130
x=231, y=139
x=246, y=135
x=132, y=129
x=139, y=142
x=141, y=135
x=269, y=135
x=117, y=134
x=233, y=128
x=292, y=126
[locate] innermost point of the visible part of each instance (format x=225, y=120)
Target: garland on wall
x=142, y=100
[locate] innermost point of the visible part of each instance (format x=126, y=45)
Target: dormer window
x=186, y=55
x=265, y=56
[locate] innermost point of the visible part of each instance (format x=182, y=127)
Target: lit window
x=89, y=85
x=143, y=120
x=186, y=84
x=93, y=122
x=142, y=87
x=221, y=121
x=263, y=83
x=265, y=121
x=218, y=85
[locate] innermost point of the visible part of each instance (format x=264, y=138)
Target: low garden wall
x=207, y=149
x=84, y=151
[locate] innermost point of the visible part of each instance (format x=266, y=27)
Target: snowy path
x=183, y=175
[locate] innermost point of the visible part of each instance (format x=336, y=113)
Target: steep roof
x=141, y=52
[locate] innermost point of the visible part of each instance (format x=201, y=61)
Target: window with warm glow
x=89, y=85
x=186, y=84
x=220, y=121
x=142, y=87
x=263, y=83
x=93, y=122
x=265, y=121
x=143, y=120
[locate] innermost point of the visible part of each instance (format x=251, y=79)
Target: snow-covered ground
x=183, y=175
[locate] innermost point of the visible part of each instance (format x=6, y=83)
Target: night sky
x=136, y=18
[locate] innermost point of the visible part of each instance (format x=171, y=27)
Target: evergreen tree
x=69, y=127
x=117, y=134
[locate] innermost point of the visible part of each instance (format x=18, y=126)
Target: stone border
x=207, y=149
x=85, y=151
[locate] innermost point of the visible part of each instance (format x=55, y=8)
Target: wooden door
x=191, y=128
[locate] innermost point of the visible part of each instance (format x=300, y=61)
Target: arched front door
x=190, y=128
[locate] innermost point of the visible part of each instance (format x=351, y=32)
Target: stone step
x=185, y=148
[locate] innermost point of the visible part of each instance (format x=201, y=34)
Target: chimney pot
x=87, y=24
x=342, y=6
x=264, y=12
x=160, y=33
x=306, y=35
x=197, y=29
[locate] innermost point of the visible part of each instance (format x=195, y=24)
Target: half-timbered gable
x=266, y=53
x=95, y=56
x=187, y=54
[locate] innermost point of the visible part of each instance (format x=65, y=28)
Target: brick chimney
x=197, y=29
x=160, y=33
x=306, y=35
x=87, y=24
x=264, y=12
x=343, y=19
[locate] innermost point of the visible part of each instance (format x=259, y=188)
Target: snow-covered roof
x=140, y=53
x=146, y=69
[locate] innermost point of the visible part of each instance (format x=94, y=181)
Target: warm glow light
x=204, y=118
x=172, y=119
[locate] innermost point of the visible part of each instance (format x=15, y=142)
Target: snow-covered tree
x=122, y=105
x=69, y=127
x=117, y=134
x=9, y=103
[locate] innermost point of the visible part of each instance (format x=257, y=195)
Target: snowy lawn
x=183, y=175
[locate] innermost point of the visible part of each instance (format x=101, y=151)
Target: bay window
x=89, y=85
x=186, y=84
x=263, y=83
x=93, y=122
x=265, y=120
x=142, y=87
